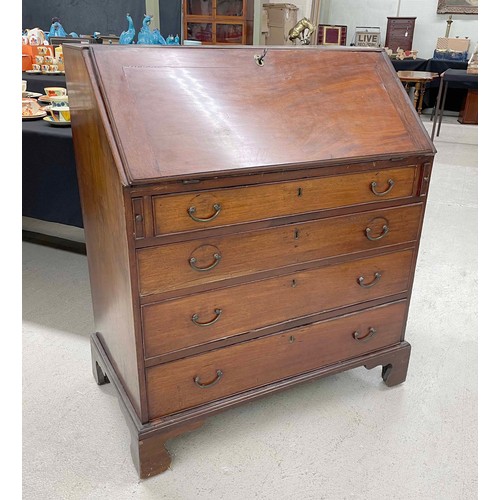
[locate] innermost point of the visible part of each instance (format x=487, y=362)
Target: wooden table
x=420, y=80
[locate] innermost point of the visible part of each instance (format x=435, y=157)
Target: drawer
x=189, y=382
x=209, y=316
x=192, y=211
x=182, y=265
x=403, y=22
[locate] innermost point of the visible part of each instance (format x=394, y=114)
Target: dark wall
x=84, y=16
x=105, y=16
x=170, y=17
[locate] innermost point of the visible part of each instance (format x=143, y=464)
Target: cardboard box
x=455, y=44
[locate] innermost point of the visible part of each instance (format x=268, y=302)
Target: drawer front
x=182, y=265
x=192, y=211
x=189, y=382
x=402, y=23
x=205, y=317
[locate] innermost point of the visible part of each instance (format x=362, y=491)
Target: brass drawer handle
x=385, y=230
x=192, y=211
x=192, y=263
x=373, y=185
x=361, y=281
x=209, y=384
x=368, y=336
x=217, y=312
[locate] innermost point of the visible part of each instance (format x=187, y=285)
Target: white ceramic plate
x=32, y=95
x=50, y=120
x=33, y=71
x=41, y=114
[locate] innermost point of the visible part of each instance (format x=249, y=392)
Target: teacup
x=39, y=59
x=30, y=107
x=35, y=67
x=42, y=50
x=25, y=85
x=48, y=59
x=45, y=68
x=59, y=101
x=54, y=91
x=60, y=114
x=54, y=67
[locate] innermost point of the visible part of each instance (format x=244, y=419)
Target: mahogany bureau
x=252, y=221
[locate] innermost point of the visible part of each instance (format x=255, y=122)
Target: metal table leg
x=443, y=100
x=436, y=108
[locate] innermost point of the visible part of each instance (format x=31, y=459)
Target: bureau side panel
x=104, y=215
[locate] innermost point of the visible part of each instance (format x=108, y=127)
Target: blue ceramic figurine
x=145, y=36
x=56, y=29
x=128, y=36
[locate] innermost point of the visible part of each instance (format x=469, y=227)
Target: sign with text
x=367, y=37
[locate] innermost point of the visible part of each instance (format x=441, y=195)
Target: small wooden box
x=332, y=34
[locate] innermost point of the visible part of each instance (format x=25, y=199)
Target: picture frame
x=457, y=7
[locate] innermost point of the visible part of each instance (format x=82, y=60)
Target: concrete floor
x=346, y=436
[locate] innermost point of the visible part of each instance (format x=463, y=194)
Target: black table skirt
x=49, y=182
x=455, y=97
x=36, y=83
x=409, y=64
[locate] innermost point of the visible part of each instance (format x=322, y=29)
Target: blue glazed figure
x=128, y=36
x=56, y=29
x=145, y=36
x=158, y=38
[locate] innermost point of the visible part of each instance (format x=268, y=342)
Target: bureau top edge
x=187, y=113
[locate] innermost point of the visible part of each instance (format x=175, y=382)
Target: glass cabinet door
x=216, y=21
x=199, y=7
x=229, y=33
x=229, y=8
x=199, y=31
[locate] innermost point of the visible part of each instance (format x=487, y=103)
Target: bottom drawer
x=189, y=382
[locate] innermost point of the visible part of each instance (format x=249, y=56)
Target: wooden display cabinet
x=399, y=33
x=218, y=22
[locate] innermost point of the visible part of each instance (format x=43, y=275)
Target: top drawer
x=191, y=211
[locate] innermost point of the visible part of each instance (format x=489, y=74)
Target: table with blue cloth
x=451, y=78
x=37, y=82
x=49, y=181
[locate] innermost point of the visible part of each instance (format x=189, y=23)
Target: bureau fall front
x=252, y=221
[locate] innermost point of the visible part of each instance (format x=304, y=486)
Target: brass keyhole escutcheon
x=291, y=339
x=296, y=234
x=299, y=192
x=294, y=283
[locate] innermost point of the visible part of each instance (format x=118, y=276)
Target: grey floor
x=346, y=436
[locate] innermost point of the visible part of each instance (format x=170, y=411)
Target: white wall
x=304, y=7
x=428, y=25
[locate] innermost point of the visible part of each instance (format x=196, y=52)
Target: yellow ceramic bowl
x=61, y=114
